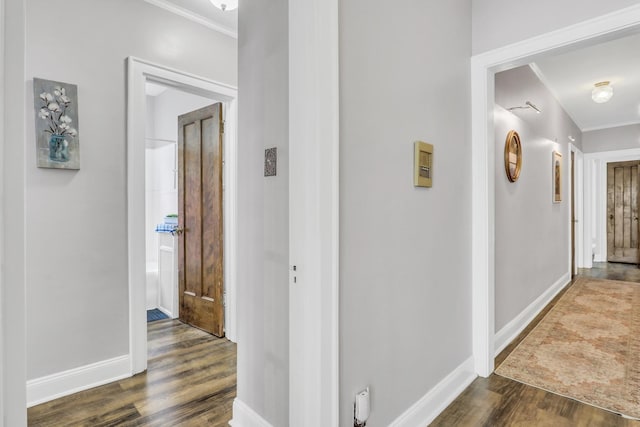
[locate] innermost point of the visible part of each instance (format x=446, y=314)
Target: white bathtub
x=162, y=277
x=152, y=285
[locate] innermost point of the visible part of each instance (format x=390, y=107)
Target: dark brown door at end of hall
x=622, y=212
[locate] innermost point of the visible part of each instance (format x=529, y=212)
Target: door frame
x=314, y=134
x=610, y=166
x=2, y=223
x=138, y=72
x=483, y=69
x=595, y=190
x=13, y=377
x=578, y=200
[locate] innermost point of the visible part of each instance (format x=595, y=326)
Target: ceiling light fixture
x=225, y=5
x=602, y=92
x=526, y=106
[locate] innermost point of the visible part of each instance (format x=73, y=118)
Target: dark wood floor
x=498, y=401
x=190, y=381
x=192, y=376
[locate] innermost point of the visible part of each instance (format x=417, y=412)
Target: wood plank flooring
x=497, y=401
x=192, y=376
x=190, y=381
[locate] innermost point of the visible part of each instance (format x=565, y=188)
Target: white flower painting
x=57, y=137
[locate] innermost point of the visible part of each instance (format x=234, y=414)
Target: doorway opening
x=483, y=69
x=183, y=92
x=165, y=106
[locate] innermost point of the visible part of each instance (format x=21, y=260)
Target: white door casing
x=13, y=375
x=2, y=181
x=138, y=72
x=579, y=208
x=595, y=201
x=313, y=213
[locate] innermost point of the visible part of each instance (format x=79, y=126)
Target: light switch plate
x=422, y=164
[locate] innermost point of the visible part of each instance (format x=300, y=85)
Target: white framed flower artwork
x=56, y=120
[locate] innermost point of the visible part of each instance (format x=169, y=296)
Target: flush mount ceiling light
x=526, y=106
x=602, y=92
x=225, y=5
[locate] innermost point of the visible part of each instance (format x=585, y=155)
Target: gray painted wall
x=531, y=232
x=611, y=139
x=76, y=242
x=405, y=257
x=263, y=210
x=499, y=23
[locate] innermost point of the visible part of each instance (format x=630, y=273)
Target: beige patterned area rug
x=586, y=348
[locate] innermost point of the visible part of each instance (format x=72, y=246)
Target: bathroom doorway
x=142, y=126
x=164, y=106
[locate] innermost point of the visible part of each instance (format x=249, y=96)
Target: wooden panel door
x=622, y=212
x=200, y=217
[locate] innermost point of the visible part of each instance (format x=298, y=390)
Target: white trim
x=483, y=216
x=589, y=211
x=581, y=261
x=595, y=190
x=512, y=329
x=230, y=203
x=425, y=410
x=194, y=17
x=244, y=416
x=609, y=126
x=51, y=387
x=138, y=71
x=313, y=213
x=3, y=100
x=14, y=266
x=483, y=68
x=579, y=207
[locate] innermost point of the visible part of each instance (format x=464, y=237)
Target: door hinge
x=222, y=126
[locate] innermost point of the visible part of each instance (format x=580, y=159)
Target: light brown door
x=622, y=212
x=200, y=217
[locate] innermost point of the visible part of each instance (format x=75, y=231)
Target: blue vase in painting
x=58, y=148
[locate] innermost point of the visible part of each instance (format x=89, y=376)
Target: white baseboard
x=51, y=387
x=425, y=410
x=167, y=312
x=244, y=416
x=512, y=329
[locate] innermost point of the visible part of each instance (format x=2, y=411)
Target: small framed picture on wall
x=56, y=112
x=557, y=177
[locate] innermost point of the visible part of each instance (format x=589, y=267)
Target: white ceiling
x=202, y=12
x=570, y=77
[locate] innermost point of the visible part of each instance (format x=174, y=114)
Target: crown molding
x=185, y=13
x=612, y=125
